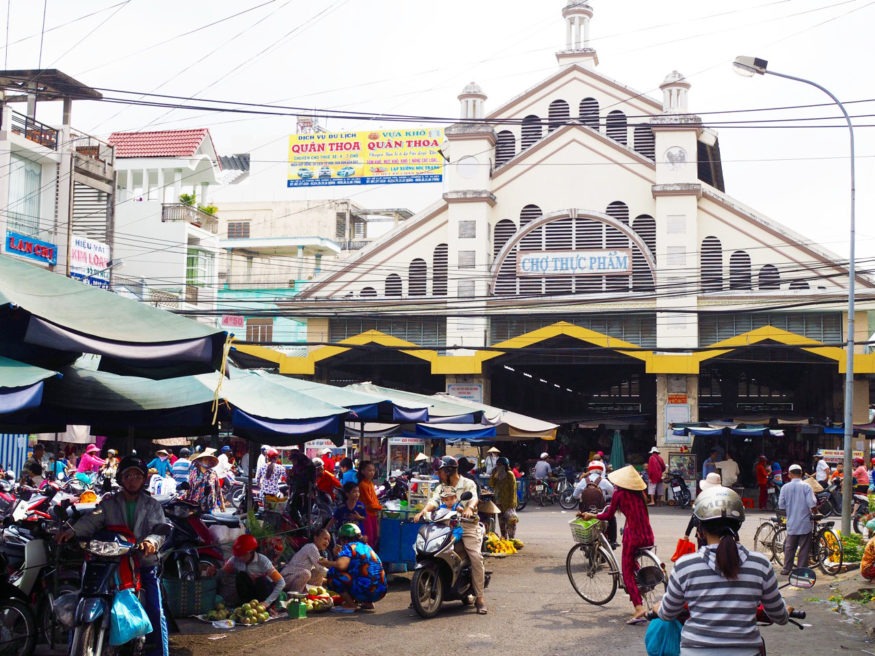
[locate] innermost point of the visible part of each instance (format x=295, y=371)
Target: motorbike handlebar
x=797, y=614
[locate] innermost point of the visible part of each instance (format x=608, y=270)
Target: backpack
x=592, y=496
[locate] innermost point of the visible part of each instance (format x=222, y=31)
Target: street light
x=750, y=66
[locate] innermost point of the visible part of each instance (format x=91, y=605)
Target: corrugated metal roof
x=236, y=162
x=163, y=143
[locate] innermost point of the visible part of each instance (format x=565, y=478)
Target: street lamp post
x=754, y=66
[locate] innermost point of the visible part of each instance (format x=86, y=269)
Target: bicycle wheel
x=764, y=539
x=592, y=572
x=831, y=553
x=778, y=545
x=17, y=628
x=650, y=577
x=567, y=500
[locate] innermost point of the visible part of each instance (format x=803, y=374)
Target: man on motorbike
x=132, y=508
x=472, y=532
x=542, y=468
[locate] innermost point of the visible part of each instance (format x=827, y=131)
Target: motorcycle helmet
x=719, y=503
x=225, y=449
x=127, y=463
x=349, y=532
x=184, y=452
x=243, y=545
x=503, y=461
x=317, y=463
x=271, y=453
x=449, y=462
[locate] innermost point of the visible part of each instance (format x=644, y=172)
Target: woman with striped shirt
x=722, y=584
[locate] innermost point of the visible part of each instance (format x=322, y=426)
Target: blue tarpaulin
x=469, y=432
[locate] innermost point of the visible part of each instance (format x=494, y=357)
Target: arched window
x=505, y=147
x=769, y=277
x=504, y=230
x=393, y=285
x=642, y=276
x=368, y=292
x=534, y=240
x=558, y=115
x=644, y=141
x=620, y=211
x=739, y=271
x=439, y=260
x=417, y=273
x=589, y=113
x=616, y=127
x=711, y=265
x=531, y=130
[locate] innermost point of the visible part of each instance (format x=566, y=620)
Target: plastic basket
x=186, y=598
x=585, y=531
x=275, y=504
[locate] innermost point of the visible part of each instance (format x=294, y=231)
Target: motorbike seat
x=223, y=519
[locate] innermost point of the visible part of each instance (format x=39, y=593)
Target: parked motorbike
x=443, y=570
x=189, y=551
x=18, y=631
x=99, y=584
x=679, y=488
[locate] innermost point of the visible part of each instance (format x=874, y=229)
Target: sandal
x=367, y=607
x=637, y=620
x=481, y=609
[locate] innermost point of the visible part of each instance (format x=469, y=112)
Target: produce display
x=497, y=545
x=253, y=612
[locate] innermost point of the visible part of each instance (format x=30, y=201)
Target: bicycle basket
x=585, y=531
x=648, y=578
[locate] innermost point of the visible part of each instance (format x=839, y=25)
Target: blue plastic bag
x=128, y=618
x=663, y=638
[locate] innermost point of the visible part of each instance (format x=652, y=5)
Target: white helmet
x=545, y=455
x=317, y=462
x=718, y=503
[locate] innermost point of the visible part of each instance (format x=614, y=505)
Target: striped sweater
x=722, y=611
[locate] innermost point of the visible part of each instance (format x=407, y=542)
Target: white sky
x=414, y=57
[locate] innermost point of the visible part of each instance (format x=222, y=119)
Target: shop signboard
x=334, y=159
x=836, y=456
x=467, y=391
x=32, y=249
x=574, y=263
x=676, y=413
x=90, y=261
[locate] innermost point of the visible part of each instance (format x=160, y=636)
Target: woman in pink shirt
x=630, y=500
x=861, y=476
x=90, y=462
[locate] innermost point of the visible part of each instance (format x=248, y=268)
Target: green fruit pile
x=253, y=612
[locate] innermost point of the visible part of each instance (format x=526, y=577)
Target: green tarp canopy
x=21, y=385
x=49, y=320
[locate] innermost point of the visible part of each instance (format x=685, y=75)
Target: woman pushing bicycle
x=722, y=585
x=629, y=498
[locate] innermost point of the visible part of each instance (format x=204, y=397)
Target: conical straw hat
x=627, y=477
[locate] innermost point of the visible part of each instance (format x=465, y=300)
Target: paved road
x=532, y=610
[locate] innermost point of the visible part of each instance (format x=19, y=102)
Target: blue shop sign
x=33, y=249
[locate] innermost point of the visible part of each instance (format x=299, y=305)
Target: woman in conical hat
x=629, y=499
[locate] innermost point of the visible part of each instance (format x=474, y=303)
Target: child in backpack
x=594, y=492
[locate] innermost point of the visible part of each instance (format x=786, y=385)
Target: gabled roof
x=163, y=143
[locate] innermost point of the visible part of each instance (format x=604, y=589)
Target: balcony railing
x=33, y=130
x=92, y=156
x=189, y=214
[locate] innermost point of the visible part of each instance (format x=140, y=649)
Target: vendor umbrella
x=618, y=458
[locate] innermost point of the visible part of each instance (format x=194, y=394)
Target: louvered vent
x=642, y=277
x=90, y=212
x=393, y=285
x=616, y=127
x=589, y=113
x=439, y=270
x=711, y=265
x=644, y=141
x=418, y=273
x=425, y=331
x=558, y=114
x=531, y=131
x=769, y=277
x=505, y=147
x=739, y=271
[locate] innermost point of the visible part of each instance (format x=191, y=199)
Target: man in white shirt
x=224, y=467
x=821, y=470
x=728, y=470
x=543, y=468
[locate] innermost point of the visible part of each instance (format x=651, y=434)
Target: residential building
x=167, y=231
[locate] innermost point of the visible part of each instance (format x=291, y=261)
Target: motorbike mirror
x=802, y=577
x=466, y=496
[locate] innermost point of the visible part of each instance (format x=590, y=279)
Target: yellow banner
x=325, y=159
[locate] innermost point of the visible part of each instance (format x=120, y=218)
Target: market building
x=585, y=264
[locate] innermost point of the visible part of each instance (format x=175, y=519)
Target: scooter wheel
x=427, y=591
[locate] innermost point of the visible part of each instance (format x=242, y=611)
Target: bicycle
x=595, y=574
x=826, y=546
x=764, y=537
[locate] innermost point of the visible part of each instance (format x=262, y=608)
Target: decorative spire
x=472, y=99
x=577, y=15
x=674, y=93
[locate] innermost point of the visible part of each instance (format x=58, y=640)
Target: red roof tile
x=163, y=143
